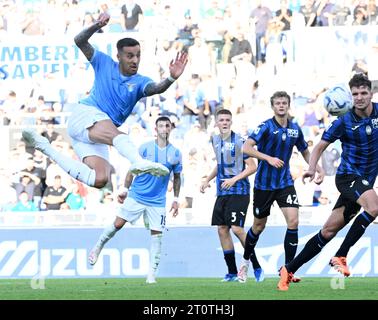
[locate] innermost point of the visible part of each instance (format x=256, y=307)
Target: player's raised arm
x=176, y=68
x=81, y=40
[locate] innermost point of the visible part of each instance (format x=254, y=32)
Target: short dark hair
x=127, y=42
x=163, y=118
x=360, y=80
x=279, y=94
x=223, y=111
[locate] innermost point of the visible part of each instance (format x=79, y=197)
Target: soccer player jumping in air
x=93, y=124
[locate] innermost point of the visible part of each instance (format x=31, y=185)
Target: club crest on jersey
x=368, y=130
x=130, y=87
x=365, y=182
x=283, y=136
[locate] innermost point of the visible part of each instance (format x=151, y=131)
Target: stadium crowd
x=238, y=56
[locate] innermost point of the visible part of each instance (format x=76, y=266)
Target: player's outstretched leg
x=74, y=168
x=93, y=255
x=106, y=235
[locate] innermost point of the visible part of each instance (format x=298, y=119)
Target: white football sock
x=74, y=168
x=106, y=235
x=155, y=252
x=126, y=148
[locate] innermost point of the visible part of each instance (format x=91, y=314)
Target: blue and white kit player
x=146, y=195
x=93, y=124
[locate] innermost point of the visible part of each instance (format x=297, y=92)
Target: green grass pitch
x=355, y=288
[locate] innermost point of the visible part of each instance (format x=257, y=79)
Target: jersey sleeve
x=177, y=167
x=259, y=132
x=100, y=60
x=334, y=131
x=301, y=143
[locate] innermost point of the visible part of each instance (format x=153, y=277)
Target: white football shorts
x=154, y=217
x=82, y=118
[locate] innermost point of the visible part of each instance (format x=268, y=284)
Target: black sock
x=255, y=262
x=250, y=243
x=249, y=248
x=290, y=244
x=229, y=256
x=310, y=250
x=355, y=233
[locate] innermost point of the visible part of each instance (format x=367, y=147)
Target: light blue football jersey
x=112, y=92
x=151, y=190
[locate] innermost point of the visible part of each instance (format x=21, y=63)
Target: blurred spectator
x=325, y=14
x=360, y=14
x=55, y=195
x=284, y=15
x=192, y=173
x=50, y=133
x=360, y=66
x=323, y=199
x=310, y=120
x=274, y=51
x=24, y=203
x=26, y=184
x=58, y=118
x=241, y=48
x=342, y=13
x=372, y=12
x=32, y=24
x=187, y=32
x=211, y=91
x=40, y=160
x=74, y=200
x=194, y=103
x=132, y=15
x=359, y=18
x=38, y=175
x=113, y=8
x=44, y=109
x=55, y=18
x=88, y=20
x=200, y=59
x=308, y=11
x=10, y=108
x=260, y=17
x=106, y=197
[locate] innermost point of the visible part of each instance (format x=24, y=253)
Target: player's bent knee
x=101, y=181
x=329, y=233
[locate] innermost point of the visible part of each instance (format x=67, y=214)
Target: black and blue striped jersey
x=276, y=141
x=359, y=143
x=230, y=162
